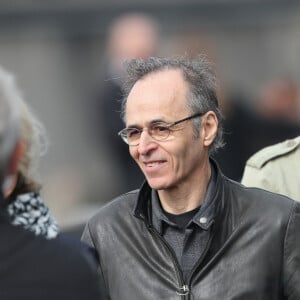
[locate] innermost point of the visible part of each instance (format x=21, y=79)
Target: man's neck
x=187, y=196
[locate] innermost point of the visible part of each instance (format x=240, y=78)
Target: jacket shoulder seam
x=262, y=157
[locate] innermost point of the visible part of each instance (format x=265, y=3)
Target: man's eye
x=132, y=133
x=160, y=128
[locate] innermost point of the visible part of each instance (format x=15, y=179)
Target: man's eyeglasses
x=159, y=131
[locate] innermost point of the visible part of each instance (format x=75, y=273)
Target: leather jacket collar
x=210, y=209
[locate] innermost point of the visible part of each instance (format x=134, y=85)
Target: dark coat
x=253, y=253
x=34, y=268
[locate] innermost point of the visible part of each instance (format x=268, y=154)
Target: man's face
x=178, y=160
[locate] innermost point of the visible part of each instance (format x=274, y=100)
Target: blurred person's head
x=132, y=35
x=19, y=126
x=279, y=99
x=11, y=147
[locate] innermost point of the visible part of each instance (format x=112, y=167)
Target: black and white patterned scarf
x=30, y=212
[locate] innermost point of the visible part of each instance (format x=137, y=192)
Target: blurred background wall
x=57, y=50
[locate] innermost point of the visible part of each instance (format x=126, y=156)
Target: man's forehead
x=163, y=74
x=151, y=114
x=162, y=85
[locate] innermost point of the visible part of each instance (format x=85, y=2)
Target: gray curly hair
x=33, y=134
x=9, y=120
x=18, y=122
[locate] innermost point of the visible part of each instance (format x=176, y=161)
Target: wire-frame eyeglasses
x=159, y=131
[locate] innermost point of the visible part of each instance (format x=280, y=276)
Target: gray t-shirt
x=187, y=237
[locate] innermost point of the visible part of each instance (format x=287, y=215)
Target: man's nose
x=147, y=143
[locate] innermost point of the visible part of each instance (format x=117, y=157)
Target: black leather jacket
x=253, y=253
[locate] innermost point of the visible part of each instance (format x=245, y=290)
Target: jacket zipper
x=200, y=259
x=183, y=290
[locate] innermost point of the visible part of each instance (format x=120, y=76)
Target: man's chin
x=157, y=184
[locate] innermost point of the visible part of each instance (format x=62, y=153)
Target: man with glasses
x=189, y=232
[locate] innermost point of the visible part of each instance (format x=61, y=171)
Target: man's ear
x=209, y=128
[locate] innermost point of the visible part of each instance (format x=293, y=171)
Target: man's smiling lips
x=153, y=165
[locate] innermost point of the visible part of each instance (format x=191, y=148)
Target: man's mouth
x=152, y=163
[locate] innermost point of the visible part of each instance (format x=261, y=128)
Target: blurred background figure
x=279, y=99
x=26, y=208
x=132, y=35
x=252, y=125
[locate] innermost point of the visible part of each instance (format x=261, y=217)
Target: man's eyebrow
x=133, y=126
x=158, y=121
x=150, y=123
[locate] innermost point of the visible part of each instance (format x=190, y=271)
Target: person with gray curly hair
x=25, y=205
x=33, y=267
x=189, y=232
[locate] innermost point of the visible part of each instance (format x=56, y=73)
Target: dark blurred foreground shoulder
x=33, y=267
